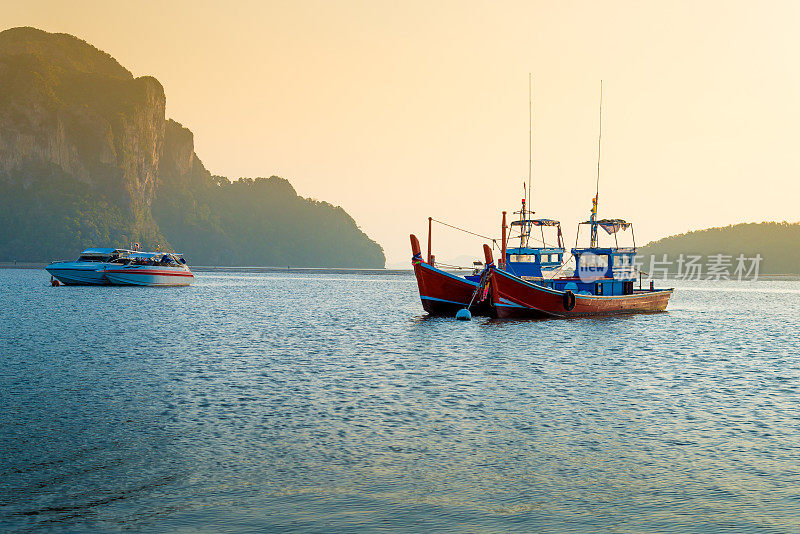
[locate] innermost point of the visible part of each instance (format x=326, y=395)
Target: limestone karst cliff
x=87, y=158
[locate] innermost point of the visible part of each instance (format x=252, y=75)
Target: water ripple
x=331, y=403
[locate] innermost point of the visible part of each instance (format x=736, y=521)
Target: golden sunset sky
x=401, y=110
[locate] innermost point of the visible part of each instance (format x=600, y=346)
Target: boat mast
x=593, y=243
x=503, y=244
x=430, y=226
x=524, y=214
x=526, y=229
x=522, y=218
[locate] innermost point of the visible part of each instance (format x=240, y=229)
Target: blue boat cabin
x=532, y=263
x=529, y=262
x=600, y=271
x=607, y=271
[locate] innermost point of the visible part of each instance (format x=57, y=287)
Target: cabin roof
x=536, y=222
x=611, y=226
x=102, y=250
x=608, y=221
x=534, y=250
x=602, y=251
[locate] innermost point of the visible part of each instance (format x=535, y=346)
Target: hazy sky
x=400, y=110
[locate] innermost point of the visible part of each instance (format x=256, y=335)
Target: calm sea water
x=332, y=403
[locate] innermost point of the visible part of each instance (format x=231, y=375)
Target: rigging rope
x=459, y=267
x=492, y=239
x=463, y=230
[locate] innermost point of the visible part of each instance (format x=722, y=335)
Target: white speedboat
x=88, y=269
x=149, y=269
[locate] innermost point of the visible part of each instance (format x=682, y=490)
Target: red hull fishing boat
x=513, y=297
x=443, y=293
x=602, y=284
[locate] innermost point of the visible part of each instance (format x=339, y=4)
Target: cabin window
x=598, y=288
x=522, y=258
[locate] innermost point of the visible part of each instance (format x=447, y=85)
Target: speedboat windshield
x=94, y=257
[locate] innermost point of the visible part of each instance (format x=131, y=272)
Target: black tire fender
x=568, y=300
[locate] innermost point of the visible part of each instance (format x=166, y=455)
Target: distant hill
x=88, y=158
x=777, y=243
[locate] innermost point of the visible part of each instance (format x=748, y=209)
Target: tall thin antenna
x=599, y=137
x=530, y=140
x=593, y=238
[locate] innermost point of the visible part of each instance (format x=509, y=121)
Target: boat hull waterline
x=443, y=293
x=74, y=274
x=513, y=297
x=142, y=275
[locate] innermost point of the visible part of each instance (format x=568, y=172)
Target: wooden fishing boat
x=444, y=293
x=602, y=284
x=514, y=297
